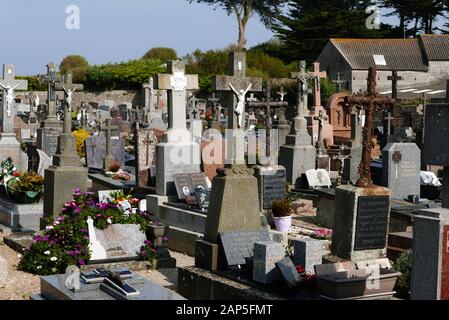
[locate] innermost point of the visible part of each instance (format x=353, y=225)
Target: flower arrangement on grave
x=8, y=171
x=149, y=250
x=65, y=242
x=121, y=175
x=281, y=208
x=309, y=280
x=114, y=166
x=80, y=136
x=322, y=234
x=27, y=187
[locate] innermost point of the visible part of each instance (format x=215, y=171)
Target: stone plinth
x=234, y=203
x=308, y=253
x=313, y=126
x=361, y=223
x=266, y=254
x=23, y=217
x=430, y=264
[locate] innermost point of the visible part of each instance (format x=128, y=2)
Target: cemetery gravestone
x=184, y=186
x=176, y=83
x=95, y=147
x=238, y=245
x=401, y=166
x=308, y=253
x=272, y=185
x=146, y=139
x=430, y=262
x=318, y=178
x=289, y=272
x=266, y=255
x=361, y=223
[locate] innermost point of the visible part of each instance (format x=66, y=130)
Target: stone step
x=19, y=241
x=182, y=240
x=401, y=240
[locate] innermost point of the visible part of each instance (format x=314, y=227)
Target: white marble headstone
x=318, y=178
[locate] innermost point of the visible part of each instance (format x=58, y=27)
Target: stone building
x=422, y=62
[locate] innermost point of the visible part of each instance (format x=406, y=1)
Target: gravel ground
x=19, y=285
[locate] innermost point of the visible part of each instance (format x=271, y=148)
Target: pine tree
x=309, y=25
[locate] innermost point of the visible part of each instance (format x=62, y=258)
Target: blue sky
x=34, y=33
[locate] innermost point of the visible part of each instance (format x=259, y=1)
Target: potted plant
x=281, y=211
x=26, y=188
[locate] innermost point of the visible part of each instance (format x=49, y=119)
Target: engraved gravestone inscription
x=372, y=223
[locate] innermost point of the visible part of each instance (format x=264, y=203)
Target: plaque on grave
x=199, y=181
x=272, y=186
x=288, y=271
x=183, y=184
x=372, y=223
x=238, y=245
x=202, y=198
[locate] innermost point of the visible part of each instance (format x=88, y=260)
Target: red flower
x=300, y=269
x=16, y=174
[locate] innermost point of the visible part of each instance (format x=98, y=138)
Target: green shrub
x=404, y=266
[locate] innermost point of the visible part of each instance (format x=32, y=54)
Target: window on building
x=379, y=60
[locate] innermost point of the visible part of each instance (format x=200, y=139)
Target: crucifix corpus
x=69, y=88
x=370, y=103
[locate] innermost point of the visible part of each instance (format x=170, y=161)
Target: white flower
x=109, y=221
x=19, y=256
x=39, y=267
x=47, y=252
x=57, y=222
x=49, y=227
x=5, y=171
x=14, y=169
x=53, y=259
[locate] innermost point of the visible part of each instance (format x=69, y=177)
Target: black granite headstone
x=372, y=223
x=288, y=271
x=272, y=187
x=238, y=245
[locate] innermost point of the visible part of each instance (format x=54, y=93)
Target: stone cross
x=388, y=119
x=51, y=79
x=213, y=99
x=109, y=157
x=158, y=95
x=302, y=77
x=339, y=82
x=9, y=84
x=317, y=83
x=176, y=82
x=237, y=78
x=371, y=103
x=394, y=78
x=320, y=143
x=149, y=95
x=267, y=104
x=147, y=142
x=282, y=93
x=69, y=88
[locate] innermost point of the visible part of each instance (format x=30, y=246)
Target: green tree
x=122, y=76
x=76, y=64
x=160, y=53
x=34, y=84
x=267, y=10
x=308, y=25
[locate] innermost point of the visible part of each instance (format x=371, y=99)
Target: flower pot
x=283, y=224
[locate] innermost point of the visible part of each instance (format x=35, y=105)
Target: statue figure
x=69, y=96
x=240, y=108
x=9, y=98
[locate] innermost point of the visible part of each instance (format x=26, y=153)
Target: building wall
x=119, y=96
x=410, y=79
x=333, y=62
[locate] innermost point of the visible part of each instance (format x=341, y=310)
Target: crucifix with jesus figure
x=370, y=103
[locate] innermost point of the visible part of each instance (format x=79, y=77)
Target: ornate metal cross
x=371, y=103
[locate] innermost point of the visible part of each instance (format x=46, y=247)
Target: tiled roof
x=399, y=54
x=436, y=47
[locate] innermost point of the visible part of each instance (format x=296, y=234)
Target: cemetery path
x=20, y=285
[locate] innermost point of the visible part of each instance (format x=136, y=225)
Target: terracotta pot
x=283, y=224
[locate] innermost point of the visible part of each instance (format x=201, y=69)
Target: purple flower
x=144, y=253
x=148, y=243
x=165, y=238
x=81, y=262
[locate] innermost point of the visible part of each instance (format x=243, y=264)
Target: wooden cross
x=51, y=79
x=176, y=82
x=69, y=88
x=394, y=78
x=267, y=104
x=371, y=103
x=238, y=79
x=8, y=84
x=339, y=83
